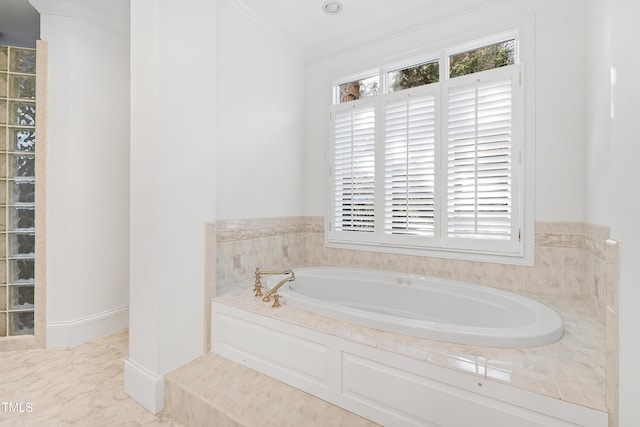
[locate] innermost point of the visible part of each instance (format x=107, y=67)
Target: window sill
x=522, y=259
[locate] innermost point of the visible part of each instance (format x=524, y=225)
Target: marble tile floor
x=81, y=386
x=214, y=391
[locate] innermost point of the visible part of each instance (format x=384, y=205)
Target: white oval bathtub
x=426, y=307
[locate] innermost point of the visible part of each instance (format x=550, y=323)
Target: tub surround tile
x=590, y=397
x=575, y=272
x=520, y=365
x=595, y=231
x=238, y=259
x=560, y=269
x=571, y=369
x=412, y=348
x=549, y=389
x=246, y=229
x=612, y=272
x=612, y=362
x=467, y=364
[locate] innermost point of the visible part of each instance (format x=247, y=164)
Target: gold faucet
x=272, y=291
x=257, y=287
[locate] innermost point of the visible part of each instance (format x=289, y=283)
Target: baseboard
x=144, y=386
x=74, y=332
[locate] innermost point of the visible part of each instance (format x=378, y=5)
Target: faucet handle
x=276, y=301
x=257, y=287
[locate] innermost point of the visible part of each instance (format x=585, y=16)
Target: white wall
x=597, y=209
x=559, y=96
x=612, y=173
x=173, y=128
x=88, y=168
x=625, y=177
x=260, y=102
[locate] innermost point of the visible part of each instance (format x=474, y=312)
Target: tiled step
x=215, y=391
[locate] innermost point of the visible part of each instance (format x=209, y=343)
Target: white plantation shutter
x=354, y=169
x=409, y=165
x=439, y=169
x=480, y=157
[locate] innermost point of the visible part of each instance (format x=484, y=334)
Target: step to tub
x=215, y=391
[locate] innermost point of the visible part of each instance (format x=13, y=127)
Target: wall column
x=172, y=187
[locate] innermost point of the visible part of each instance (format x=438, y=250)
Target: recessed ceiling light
x=332, y=7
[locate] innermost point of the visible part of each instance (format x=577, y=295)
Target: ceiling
x=305, y=22
x=301, y=22
x=19, y=23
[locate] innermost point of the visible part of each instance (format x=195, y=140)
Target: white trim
x=488, y=40
x=444, y=253
x=144, y=386
x=70, y=333
x=390, y=31
x=53, y=7
x=514, y=252
x=86, y=13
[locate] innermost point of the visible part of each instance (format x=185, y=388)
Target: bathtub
x=425, y=307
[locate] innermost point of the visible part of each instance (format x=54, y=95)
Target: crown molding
x=100, y=15
x=397, y=28
x=54, y=7
x=272, y=32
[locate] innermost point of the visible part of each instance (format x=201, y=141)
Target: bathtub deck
x=214, y=391
x=571, y=369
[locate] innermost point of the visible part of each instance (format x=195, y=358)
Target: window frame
x=519, y=250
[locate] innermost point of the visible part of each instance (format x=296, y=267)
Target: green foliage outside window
x=485, y=58
x=418, y=75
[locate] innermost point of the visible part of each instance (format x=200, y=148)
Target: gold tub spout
x=257, y=287
x=272, y=291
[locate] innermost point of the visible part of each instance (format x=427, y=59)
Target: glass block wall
x=17, y=190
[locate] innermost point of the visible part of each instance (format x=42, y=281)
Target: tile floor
x=81, y=386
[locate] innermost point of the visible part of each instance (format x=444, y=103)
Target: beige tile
x=306, y=411
x=236, y=395
x=269, y=397
x=527, y=369
x=558, y=280
x=247, y=417
x=591, y=397
x=78, y=386
x=469, y=359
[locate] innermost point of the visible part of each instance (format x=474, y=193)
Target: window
x=423, y=162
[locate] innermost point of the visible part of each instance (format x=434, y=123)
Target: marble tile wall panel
x=594, y=267
x=557, y=271
x=612, y=328
x=568, y=262
x=279, y=245
x=210, y=279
